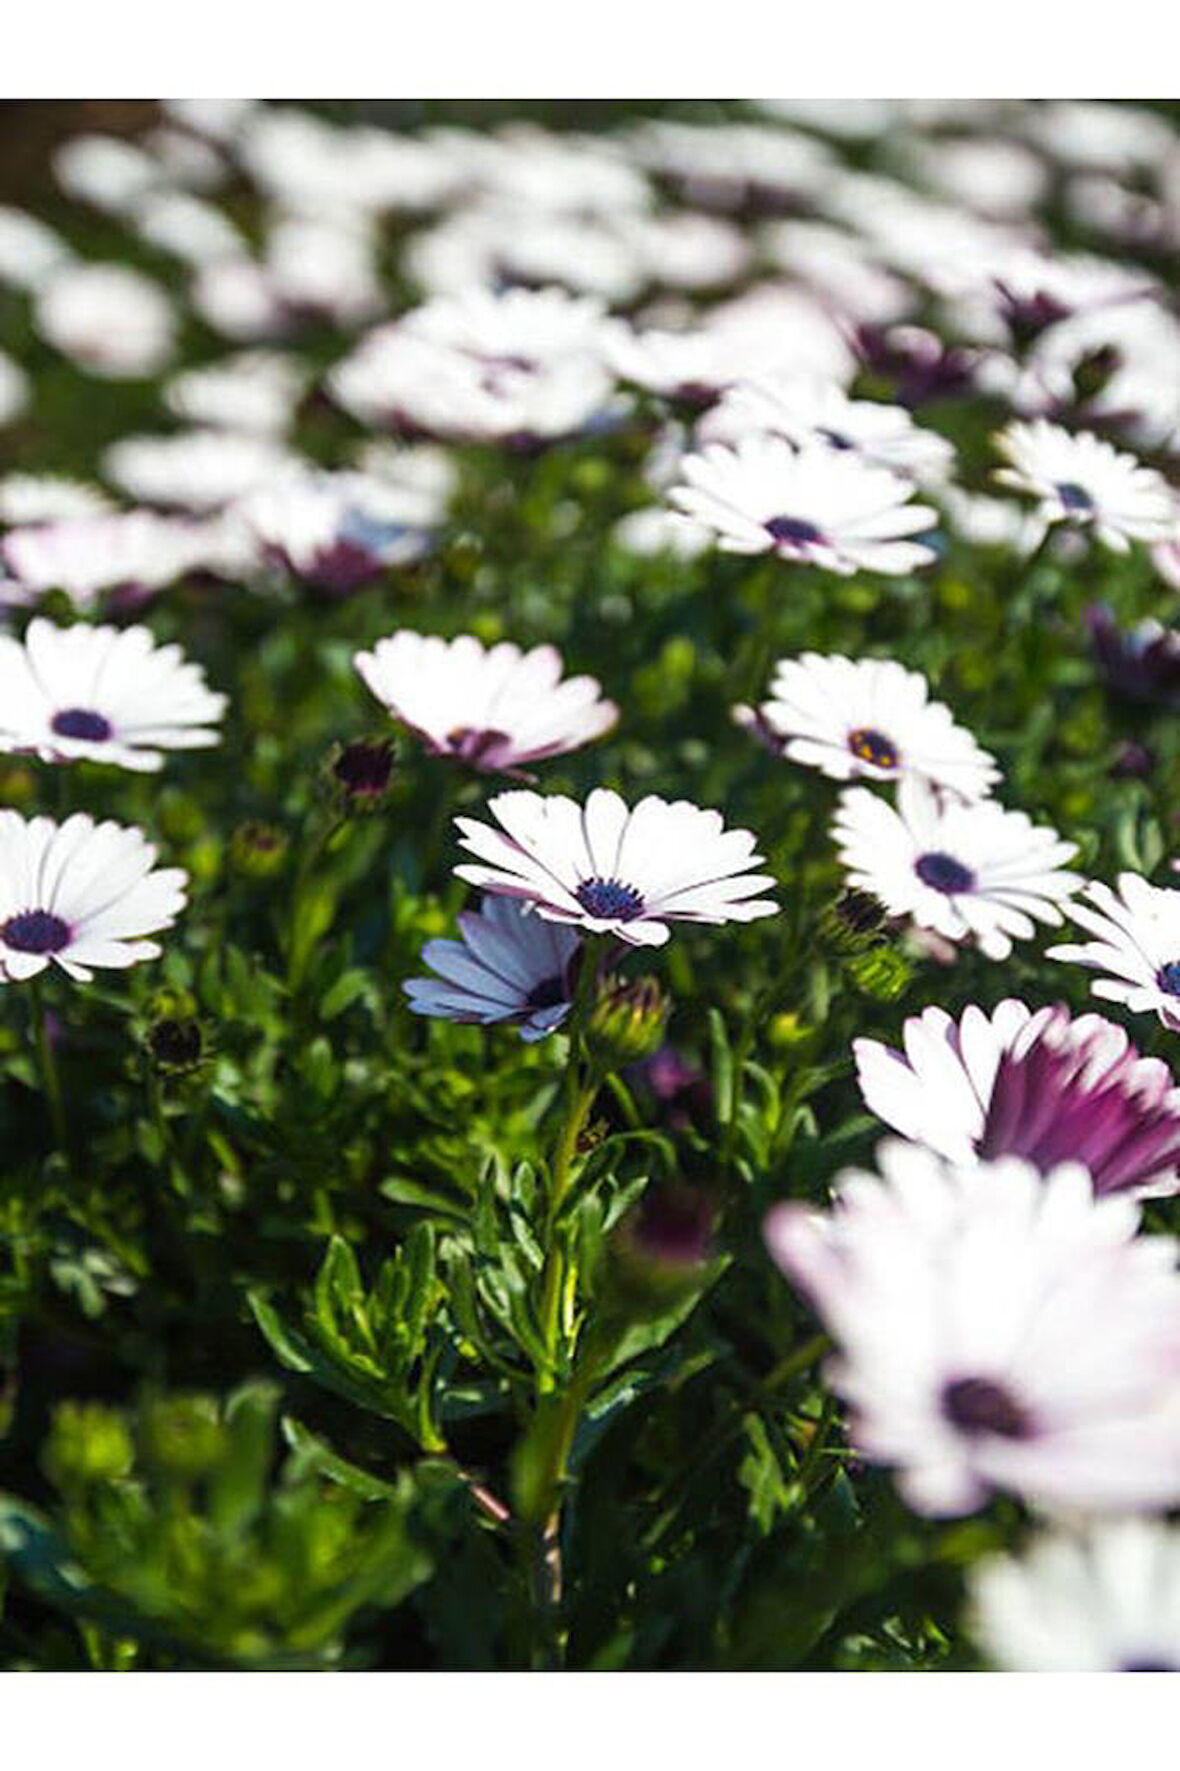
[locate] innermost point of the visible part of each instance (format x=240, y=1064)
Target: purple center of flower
x=35, y=931
x=794, y=531
x=549, y=993
x=1060, y=1097
x=81, y=722
x=475, y=744
x=609, y=899
x=1168, y=978
x=1073, y=496
x=873, y=747
x=978, y=1405
x=942, y=873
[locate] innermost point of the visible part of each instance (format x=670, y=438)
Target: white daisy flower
x=806, y=410
x=615, y=870
x=522, y=328
x=190, y=228
x=80, y=895
x=497, y=710
x=870, y=717
x=104, y=170
x=772, y=330
x=510, y=965
x=219, y=118
x=1137, y=945
x=684, y=249
x=814, y=505
x=652, y=531
x=1041, y=1086
x=133, y=551
x=105, y=693
x=1136, y=347
x=235, y=296
x=996, y=1329
x=399, y=379
x=840, y=268
x=1102, y=1597
x=29, y=250
x=27, y=498
x=423, y=469
x=108, y=319
x=338, y=530
x=253, y=391
x=1088, y=483
x=324, y=269
x=964, y=870
x=198, y=470
x=545, y=171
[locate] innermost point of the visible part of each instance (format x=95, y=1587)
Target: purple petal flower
x=1078, y=1091
x=1142, y=664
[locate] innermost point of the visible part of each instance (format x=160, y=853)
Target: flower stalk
x=47, y=1067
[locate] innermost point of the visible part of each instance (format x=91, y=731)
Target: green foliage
x=199, y=1552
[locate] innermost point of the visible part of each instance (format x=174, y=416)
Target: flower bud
x=176, y=1047
x=1093, y=371
x=879, y=972
x=18, y=784
x=626, y=1023
x=87, y=1443
x=853, y=922
x=181, y=1436
x=257, y=851
x=359, y=775
x=662, y=1249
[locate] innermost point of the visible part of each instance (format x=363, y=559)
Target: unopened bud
x=360, y=774
x=257, y=851
x=853, y=922
x=87, y=1443
x=626, y=1023
x=1093, y=371
x=662, y=1249
x=181, y=1436
x=879, y=972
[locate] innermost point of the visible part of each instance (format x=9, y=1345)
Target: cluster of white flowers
x=1001, y=1321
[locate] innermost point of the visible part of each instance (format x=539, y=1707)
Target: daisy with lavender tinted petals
x=496, y=710
x=1137, y=945
x=1088, y=483
x=80, y=895
x=510, y=965
x=964, y=870
x=338, y=530
x=1040, y=1086
x=614, y=869
x=996, y=1329
x=869, y=717
x=134, y=552
x=813, y=505
x=806, y=410
x=1101, y=1598
x=197, y=470
x=103, y=693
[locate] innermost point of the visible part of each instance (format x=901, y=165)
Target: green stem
x=582, y=1082
x=302, y=932
x=579, y=1097
x=47, y=1066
